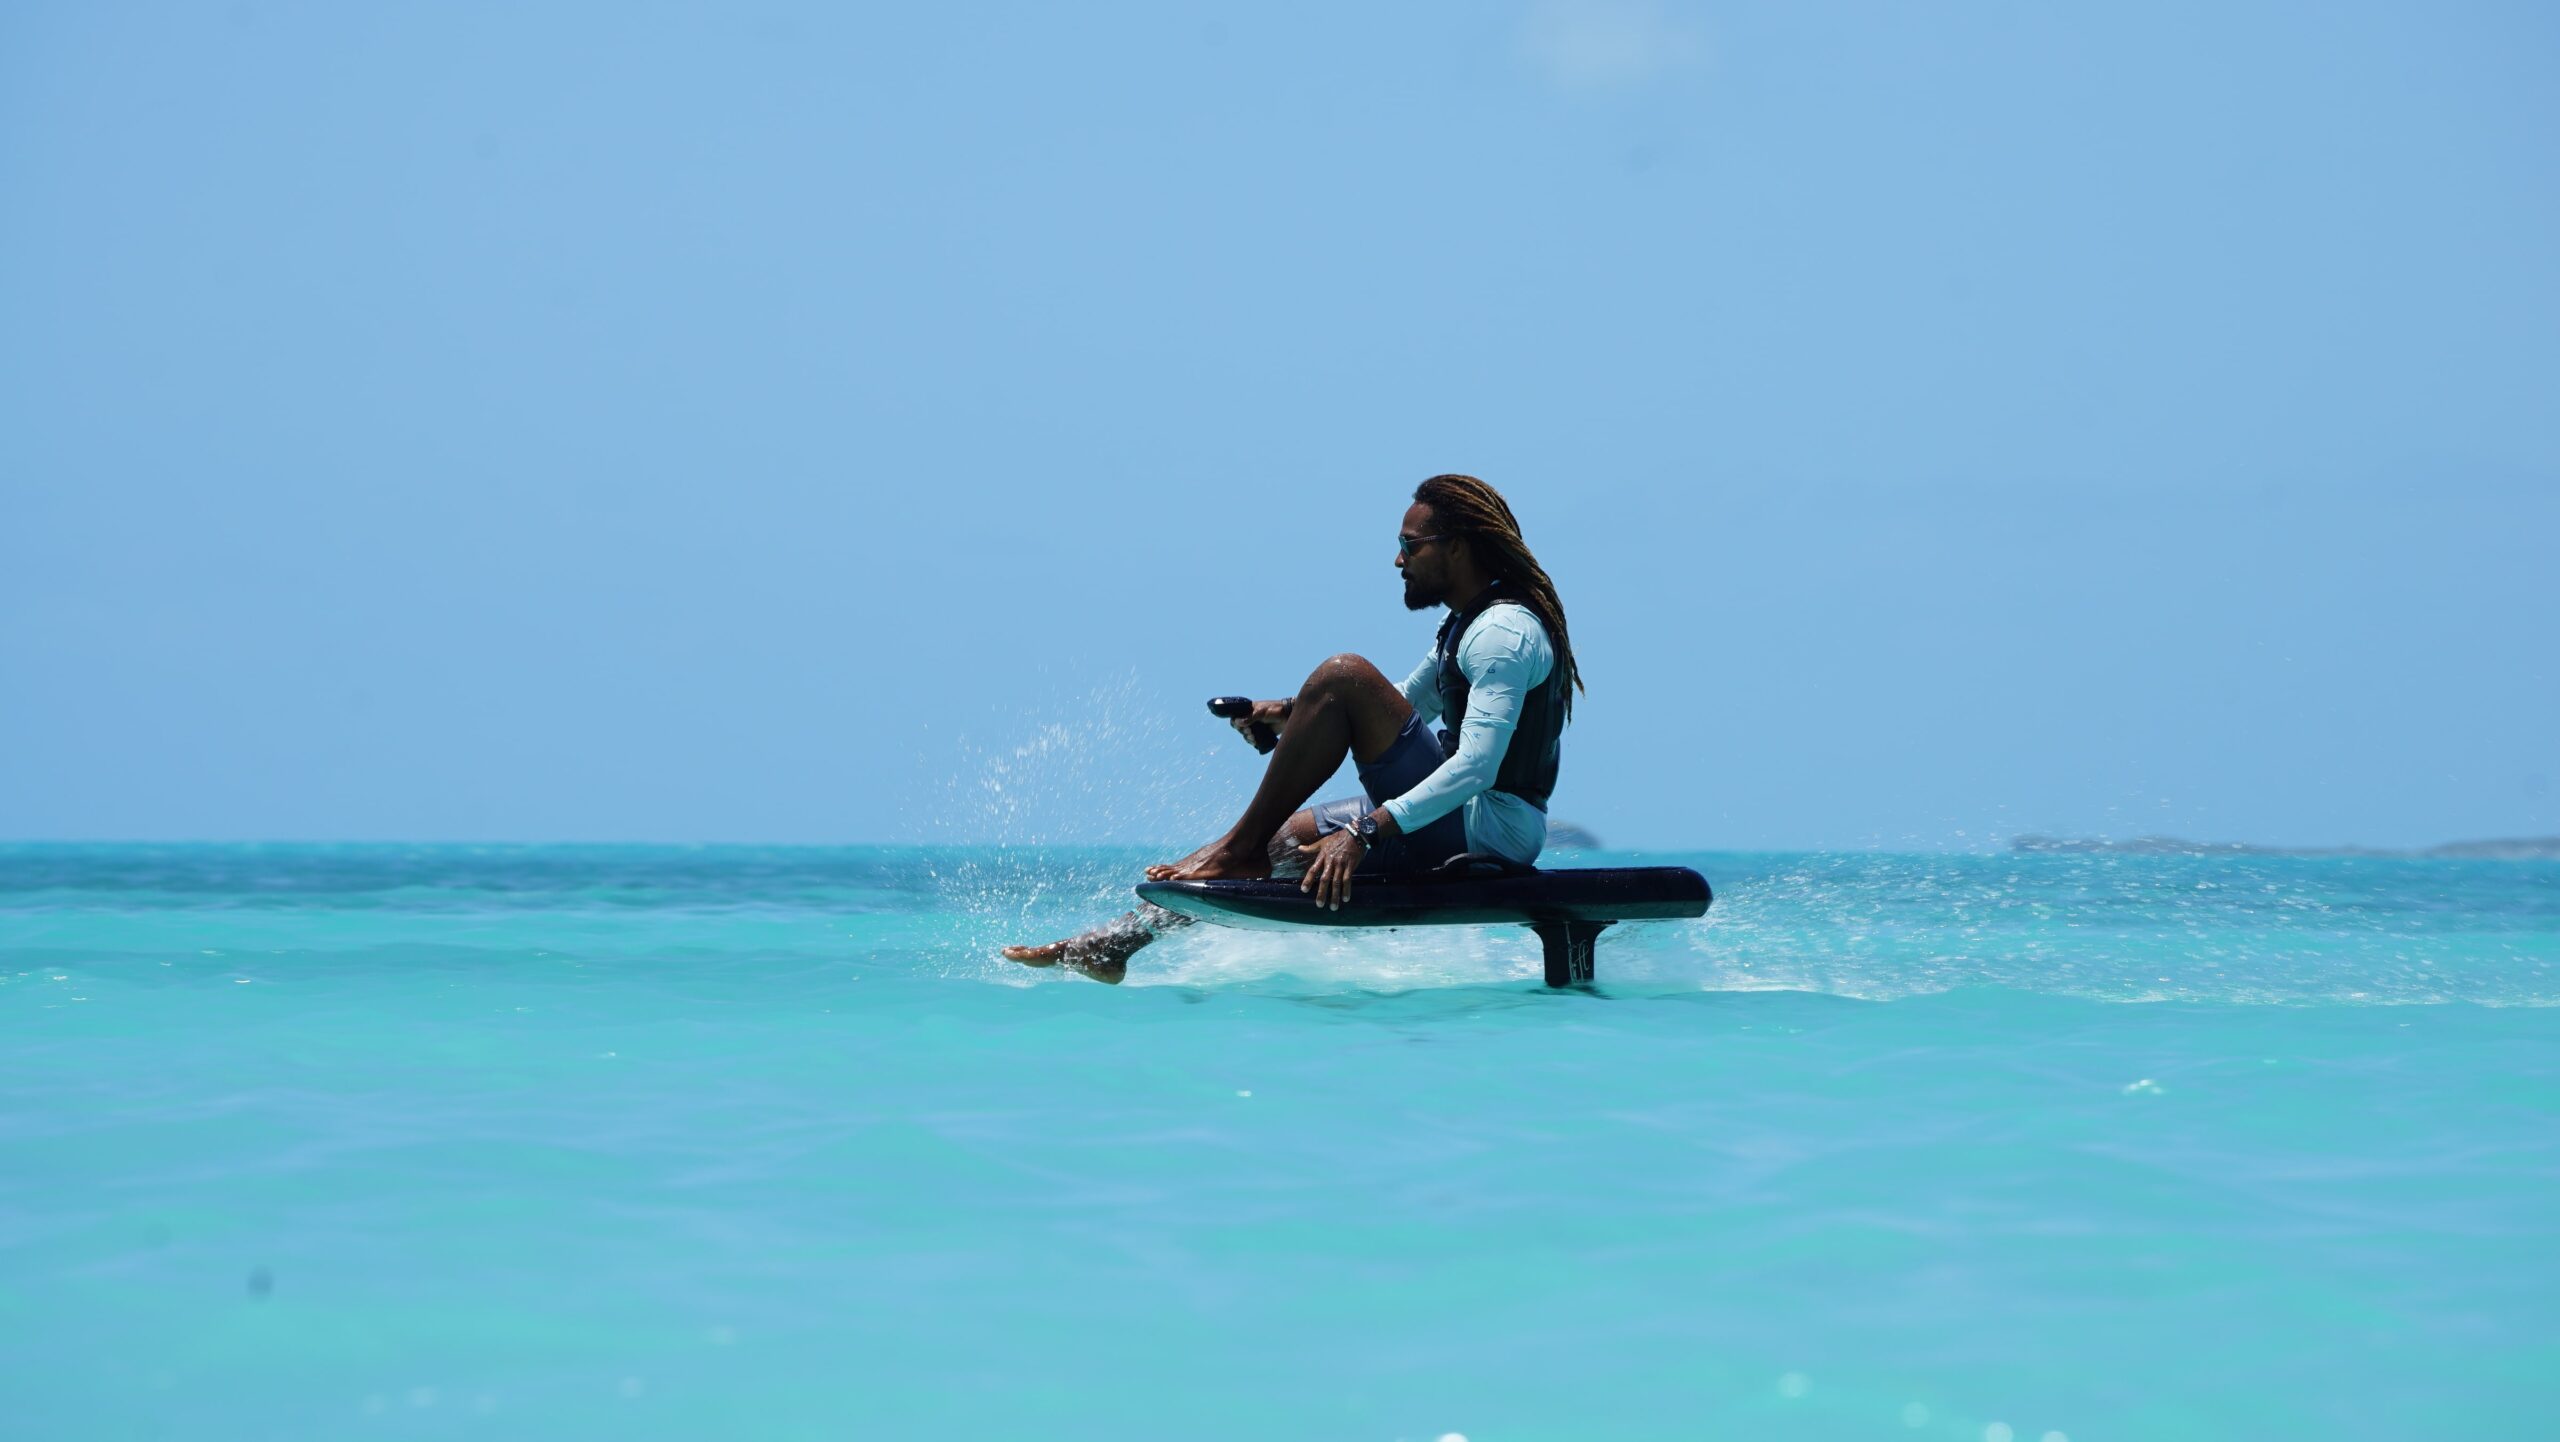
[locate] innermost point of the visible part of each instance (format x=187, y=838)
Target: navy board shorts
x=1413, y=755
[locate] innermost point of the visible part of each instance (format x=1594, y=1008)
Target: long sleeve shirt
x=1504, y=656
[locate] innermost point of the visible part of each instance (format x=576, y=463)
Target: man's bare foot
x=1221, y=865
x=1164, y=870
x=1102, y=953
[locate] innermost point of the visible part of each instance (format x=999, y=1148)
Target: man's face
x=1425, y=563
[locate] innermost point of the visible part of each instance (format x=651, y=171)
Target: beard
x=1421, y=596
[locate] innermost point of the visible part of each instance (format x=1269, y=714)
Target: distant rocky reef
x=2521, y=848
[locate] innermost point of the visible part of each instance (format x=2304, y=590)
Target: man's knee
x=1343, y=672
x=1299, y=830
x=1286, y=863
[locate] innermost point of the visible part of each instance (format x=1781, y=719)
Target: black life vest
x=1529, y=762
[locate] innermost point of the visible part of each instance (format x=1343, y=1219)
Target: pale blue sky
x=759, y=422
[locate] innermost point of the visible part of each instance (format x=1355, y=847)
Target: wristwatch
x=1366, y=828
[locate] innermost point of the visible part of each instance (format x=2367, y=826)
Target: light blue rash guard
x=1504, y=656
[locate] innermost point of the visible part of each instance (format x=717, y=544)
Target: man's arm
x=1505, y=656
x=1422, y=688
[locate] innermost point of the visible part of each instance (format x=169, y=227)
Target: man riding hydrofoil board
x=1500, y=679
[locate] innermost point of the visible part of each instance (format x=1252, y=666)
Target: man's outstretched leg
x=1347, y=706
x=1103, y=953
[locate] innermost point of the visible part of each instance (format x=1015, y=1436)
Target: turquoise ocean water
x=331, y=1142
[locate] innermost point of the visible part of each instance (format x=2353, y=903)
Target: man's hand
x=1274, y=714
x=1332, y=859
x=1330, y=863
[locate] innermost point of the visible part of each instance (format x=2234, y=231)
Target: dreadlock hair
x=1467, y=507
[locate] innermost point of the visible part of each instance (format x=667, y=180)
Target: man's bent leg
x=1346, y=707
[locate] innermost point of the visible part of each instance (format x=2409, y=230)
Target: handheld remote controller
x=1231, y=707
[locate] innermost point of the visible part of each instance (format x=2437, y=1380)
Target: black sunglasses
x=1407, y=545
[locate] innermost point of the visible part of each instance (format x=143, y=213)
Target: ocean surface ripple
x=558, y=1142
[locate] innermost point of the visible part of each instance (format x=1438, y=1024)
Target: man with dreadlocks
x=1500, y=679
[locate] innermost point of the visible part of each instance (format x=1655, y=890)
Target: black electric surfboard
x=1566, y=908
